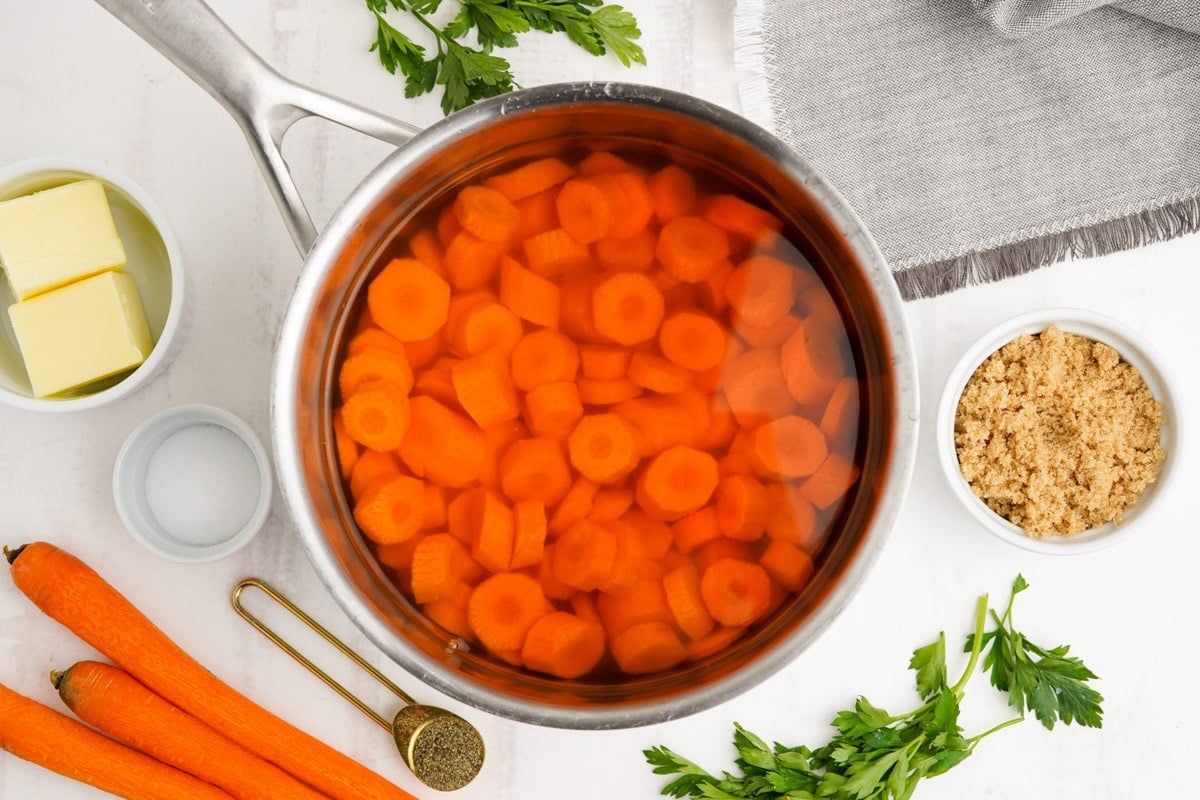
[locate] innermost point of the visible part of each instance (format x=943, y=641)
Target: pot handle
x=264, y=103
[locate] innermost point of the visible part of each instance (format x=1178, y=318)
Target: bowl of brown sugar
x=1058, y=430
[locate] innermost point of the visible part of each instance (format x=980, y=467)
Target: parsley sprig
x=879, y=756
x=468, y=74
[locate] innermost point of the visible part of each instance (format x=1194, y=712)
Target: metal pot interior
x=366, y=234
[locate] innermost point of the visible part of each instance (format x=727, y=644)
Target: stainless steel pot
x=428, y=166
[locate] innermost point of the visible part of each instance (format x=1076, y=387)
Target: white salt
x=202, y=484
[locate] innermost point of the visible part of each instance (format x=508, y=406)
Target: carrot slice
x=527, y=294
x=657, y=537
x=435, y=506
x=544, y=572
x=554, y=252
x=552, y=409
x=658, y=374
x=447, y=226
x=372, y=468
x=442, y=445
x=583, y=605
x=529, y=533
x=486, y=213
x=537, y=214
x=627, y=308
x=471, y=262
x=660, y=422
x=607, y=392
x=409, y=300
x=601, y=161
x=674, y=192
x=812, y=362
x=760, y=290
x=492, y=544
x=532, y=178
x=722, y=425
x=374, y=338
x=631, y=201
x=790, y=566
x=423, y=352
x=482, y=327
x=575, y=505
x=462, y=514
x=629, y=563
x=839, y=422
x=691, y=248
x=393, y=512
x=399, y=556
x=693, y=340
x=737, y=216
x=603, y=447
x=584, y=210
x=816, y=301
x=576, y=316
x=682, y=589
x=425, y=247
x=584, y=555
x=635, y=253
x=648, y=647
x=791, y=517
x=789, y=447
x=436, y=567
x=611, y=504
x=696, y=529
x=645, y=601
x=449, y=616
x=496, y=439
x=831, y=481
x=563, y=645
x=676, y=482
x=742, y=507
x=437, y=381
x=710, y=292
x=714, y=643
x=770, y=336
x=347, y=448
x=542, y=357
x=755, y=388
x=535, y=469
x=485, y=390
x=735, y=592
x=604, y=361
x=504, y=607
x=378, y=415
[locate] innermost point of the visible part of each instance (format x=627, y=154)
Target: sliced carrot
x=629, y=563
x=344, y=444
x=583, y=605
x=584, y=211
x=714, y=643
x=378, y=415
x=711, y=291
x=660, y=422
x=409, y=300
x=607, y=392
x=788, y=447
x=648, y=647
x=630, y=198
x=816, y=301
x=537, y=215
x=435, y=506
x=791, y=517
x=584, y=555
x=576, y=315
x=698, y=405
x=492, y=544
x=696, y=529
x=627, y=308
x=554, y=252
x=527, y=294
x=372, y=468
x=496, y=439
x=399, y=556
x=676, y=482
x=435, y=567
x=682, y=589
x=674, y=191
x=483, y=327
x=532, y=178
x=744, y=219
x=644, y=602
x=449, y=616
x=770, y=336
x=601, y=161
x=811, y=360
x=742, y=507
x=529, y=533
x=442, y=445
x=552, y=409
x=603, y=447
x=760, y=290
x=691, y=248
x=693, y=340
x=437, y=381
x=735, y=462
x=462, y=514
x=504, y=607
x=839, y=422
x=486, y=213
x=831, y=481
x=535, y=469
x=657, y=537
x=722, y=425
x=790, y=566
x=635, y=253
x=422, y=352
x=563, y=645
x=681, y=296
x=735, y=592
x=720, y=548
x=485, y=390
x=611, y=504
x=544, y=356
x=425, y=247
x=755, y=388
x=658, y=374
x=575, y=505
x=471, y=262
x=447, y=226
x=374, y=338
x=604, y=361
x=544, y=572
x=393, y=512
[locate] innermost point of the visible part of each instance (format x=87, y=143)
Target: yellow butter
x=81, y=333
x=54, y=237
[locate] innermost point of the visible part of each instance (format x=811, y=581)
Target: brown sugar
x=1058, y=434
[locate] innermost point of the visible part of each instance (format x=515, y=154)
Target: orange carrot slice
x=552, y=409
x=831, y=481
x=657, y=537
x=584, y=555
x=742, y=507
x=789, y=447
x=658, y=374
x=374, y=338
x=347, y=448
x=527, y=294
x=492, y=544
x=771, y=336
x=648, y=647
x=645, y=601
x=482, y=327
x=603, y=447
x=744, y=219
x=393, y=512
x=504, y=607
x=606, y=392
x=682, y=589
x=735, y=592
x=544, y=572
x=660, y=422
x=486, y=213
x=435, y=567
x=696, y=529
x=532, y=178
x=674, y=192
x=693, y=340
x=676, y=482
x=604, y=361
x=584, y=210
x=629, y=562
x=790, y=566
x=378, y=415
x=485, y=390
x=535, y=469
x=537, y=215
x=471, y=262
x=811, y=360
x=575, y=505
x=635, y=253
x=554, y=252
x=691, y=248
x=791, y=517
x=563, y=645
x=760, y=290
x=425, y=247
x=542, y=357
x=529, y=533
x=611, y=504
x=442, y=445
x=755, y=388
x=372, y=468
x=630, y=198
x=409, y=300
x=714, y=643
x=627, y=308
x=496, y=439
x=839, y=422
x=601, y=161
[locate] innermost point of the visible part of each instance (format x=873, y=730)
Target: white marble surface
x=75, y=82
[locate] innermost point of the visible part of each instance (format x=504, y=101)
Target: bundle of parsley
x=878, y=756
x=467, y=73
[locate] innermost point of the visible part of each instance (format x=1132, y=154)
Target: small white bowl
x=153, y=260
x=1135, y=349
x=132, y=493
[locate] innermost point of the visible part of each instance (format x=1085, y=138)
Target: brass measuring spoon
x=441, y=748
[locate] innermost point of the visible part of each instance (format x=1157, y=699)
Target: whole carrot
x=106, y=697
x=72, y=593
x=41, y=735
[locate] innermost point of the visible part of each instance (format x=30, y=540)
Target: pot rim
x=285, y=409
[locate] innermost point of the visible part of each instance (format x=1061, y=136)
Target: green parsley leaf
x=930, y=665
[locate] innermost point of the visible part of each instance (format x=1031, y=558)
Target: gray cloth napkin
x=980, y=139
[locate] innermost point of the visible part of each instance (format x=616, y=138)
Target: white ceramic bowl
x=154, y=262
x=135, y=506
x=1136, y=350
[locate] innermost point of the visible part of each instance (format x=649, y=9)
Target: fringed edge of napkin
x=750, y=59
x=1161, y=221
